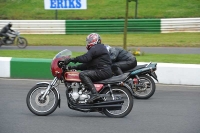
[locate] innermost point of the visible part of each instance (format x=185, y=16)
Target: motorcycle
x=141, y=80
x=116, y=97
x=14, y=38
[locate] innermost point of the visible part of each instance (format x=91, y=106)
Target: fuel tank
x=72, y=76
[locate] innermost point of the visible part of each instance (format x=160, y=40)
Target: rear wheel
x=22, y=42
x=1, y=42
x=42, y=107
x=148, y=88
x=123, y=93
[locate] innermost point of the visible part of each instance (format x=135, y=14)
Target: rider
x=96, y=64
x=122, y=60
x=4, y=31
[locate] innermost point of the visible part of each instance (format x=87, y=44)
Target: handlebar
x=61, y=64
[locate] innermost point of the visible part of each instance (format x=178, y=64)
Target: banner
x=65, y=4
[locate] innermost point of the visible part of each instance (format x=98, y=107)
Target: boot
x=87, y=81
x=4, y=40
x=95, y=95
x=116, y=70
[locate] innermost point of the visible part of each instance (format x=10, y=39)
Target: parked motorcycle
x=116, y=97
x=14, y=38
x=141, y=80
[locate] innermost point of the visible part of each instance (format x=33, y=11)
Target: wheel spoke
x=125, y=105
x=42, y=105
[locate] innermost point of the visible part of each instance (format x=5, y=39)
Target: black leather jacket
x=5, y=29
x=96, y=58
x=119, y=54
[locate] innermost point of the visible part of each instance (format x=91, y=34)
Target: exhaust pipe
x=112, y=105
x=110, y=102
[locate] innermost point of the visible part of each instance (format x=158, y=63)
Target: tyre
x=1, y=42
x=38, y=106
x=119, y=92
x=22, y=42
x=148, y=90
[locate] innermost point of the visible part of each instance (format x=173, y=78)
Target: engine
x=78, y=93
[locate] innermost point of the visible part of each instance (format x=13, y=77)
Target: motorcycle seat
x=113, y=79
x=136, y=68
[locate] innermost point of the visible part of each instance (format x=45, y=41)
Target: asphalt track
x=172, y=109
x=156, y=50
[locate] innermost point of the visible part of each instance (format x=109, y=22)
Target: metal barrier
x=111, y=26
x=37, y=26
x=180, y=25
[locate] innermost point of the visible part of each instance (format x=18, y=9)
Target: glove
x=72, y=67
x=68, y=60
x=60, y=64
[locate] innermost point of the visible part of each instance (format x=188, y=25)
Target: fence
x=37, y=26
x=180, y=25
x=168, y=73
x=112, y=26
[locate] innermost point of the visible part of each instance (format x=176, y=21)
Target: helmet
x=108, y=47
x=10, y=24
x=92, y=39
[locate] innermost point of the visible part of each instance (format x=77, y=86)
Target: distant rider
x=5, y=30
x=122, y=60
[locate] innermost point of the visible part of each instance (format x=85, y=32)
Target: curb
x=31, y=68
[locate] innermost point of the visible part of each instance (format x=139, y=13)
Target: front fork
x=49, y=87
x=19, y=38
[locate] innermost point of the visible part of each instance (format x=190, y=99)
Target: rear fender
x=124, y=84
x=47, y=83
x=153, y=74
x=129, y=88
x=140, y=71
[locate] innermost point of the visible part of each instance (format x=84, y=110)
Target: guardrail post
x=125, y=25
x=56, y=14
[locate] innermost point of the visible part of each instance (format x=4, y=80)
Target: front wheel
x=147, y=90
x=22, y=42
x=38, y=106
x=119, y=92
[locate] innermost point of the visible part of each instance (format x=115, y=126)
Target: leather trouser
x=119, y=67
x=89, y=76
x=6, y=36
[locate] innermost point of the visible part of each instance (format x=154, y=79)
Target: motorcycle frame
x=149, y=69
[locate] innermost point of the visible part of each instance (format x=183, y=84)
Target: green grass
x=32, y=53
x=166, y=58
x=138, y=40
x=104, y=9
x=107, y=9
x=170, y=58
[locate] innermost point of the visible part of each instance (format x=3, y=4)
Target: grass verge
x=164, y=58
x=104, y=9
x=138, y=40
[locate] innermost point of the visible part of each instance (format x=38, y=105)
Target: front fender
x=58, y=94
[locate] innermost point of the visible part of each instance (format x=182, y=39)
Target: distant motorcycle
x=141, y=80
x=14, y=38
x=116, y=96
